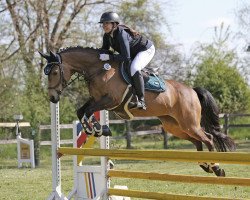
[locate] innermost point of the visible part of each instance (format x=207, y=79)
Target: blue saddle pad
x=152, y=82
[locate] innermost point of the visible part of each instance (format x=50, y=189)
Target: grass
x=36, y=184
x=183, y=188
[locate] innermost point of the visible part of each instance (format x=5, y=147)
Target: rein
x=62, y=79
x=73, y=80
x=89, y=78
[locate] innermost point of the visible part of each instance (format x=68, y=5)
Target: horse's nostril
x=53, y=99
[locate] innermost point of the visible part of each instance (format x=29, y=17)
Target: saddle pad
x=152, y=82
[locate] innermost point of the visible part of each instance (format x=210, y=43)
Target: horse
x=187, y=113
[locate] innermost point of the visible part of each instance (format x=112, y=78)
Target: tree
x=29, y=26
x=36, y=25
x=9, y=95
x=243, y=16
x=216, y=69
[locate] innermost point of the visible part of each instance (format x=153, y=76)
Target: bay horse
x=187, y=113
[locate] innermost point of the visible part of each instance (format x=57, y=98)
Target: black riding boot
x=139, y=89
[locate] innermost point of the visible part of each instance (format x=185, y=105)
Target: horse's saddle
x=152, y=82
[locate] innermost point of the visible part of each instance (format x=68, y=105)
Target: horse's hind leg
x=205, y=166
x=170, y=125
x=206, y=138
x=197, y=136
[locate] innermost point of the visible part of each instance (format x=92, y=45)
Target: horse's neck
x=88, y=64
x=81, y=62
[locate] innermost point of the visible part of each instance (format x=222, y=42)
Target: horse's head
x=58, y=75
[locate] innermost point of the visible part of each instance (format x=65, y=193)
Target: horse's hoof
x=97, y=134
x=219, y=172
x=206, y=167
x=106, y=131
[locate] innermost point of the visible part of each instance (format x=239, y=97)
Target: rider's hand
x=104, y=57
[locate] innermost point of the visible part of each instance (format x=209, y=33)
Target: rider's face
x=107, y=26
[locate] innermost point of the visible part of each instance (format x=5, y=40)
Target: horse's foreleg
x=104, y=103
x=81, y=111
x=83, y=118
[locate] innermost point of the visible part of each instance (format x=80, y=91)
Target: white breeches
x=142, y=59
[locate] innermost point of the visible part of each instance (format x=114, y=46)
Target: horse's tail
x=210, y=121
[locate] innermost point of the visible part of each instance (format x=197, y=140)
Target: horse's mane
x=76, y=48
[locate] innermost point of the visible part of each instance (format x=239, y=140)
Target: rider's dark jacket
x=126, y=44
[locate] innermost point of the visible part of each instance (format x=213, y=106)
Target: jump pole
x=90, y=181
x=56, y=164
x=99, y=171
x=80, y=185
x=104, y=144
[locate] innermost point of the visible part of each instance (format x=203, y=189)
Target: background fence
x=129, y=133
x=227, y=124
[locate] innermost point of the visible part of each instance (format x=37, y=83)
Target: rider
x=133, y=48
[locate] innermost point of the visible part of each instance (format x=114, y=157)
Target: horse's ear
x=52, y=54
x=44, y=55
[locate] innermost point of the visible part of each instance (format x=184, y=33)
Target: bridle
x=61, y=79
x=50, y=65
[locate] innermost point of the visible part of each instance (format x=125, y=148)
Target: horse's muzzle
x=54, y=99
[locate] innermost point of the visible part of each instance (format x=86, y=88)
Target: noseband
x=62, y=79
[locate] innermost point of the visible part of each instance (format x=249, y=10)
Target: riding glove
x=104, y=57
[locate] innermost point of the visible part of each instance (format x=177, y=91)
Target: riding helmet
x=110, y=17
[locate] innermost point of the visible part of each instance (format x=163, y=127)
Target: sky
x=194, y=20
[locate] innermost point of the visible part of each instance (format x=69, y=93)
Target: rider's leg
x=139, y=62
x=138, y=83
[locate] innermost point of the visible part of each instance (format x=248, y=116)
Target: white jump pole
x=104, y=144
x=103, y=182
x=56, y=164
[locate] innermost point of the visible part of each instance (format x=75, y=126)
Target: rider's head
x=109, y=21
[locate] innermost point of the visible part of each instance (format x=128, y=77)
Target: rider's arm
x=123, y=39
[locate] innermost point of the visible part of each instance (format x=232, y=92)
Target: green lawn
x=36, y=184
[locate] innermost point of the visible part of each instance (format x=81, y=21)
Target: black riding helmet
x=110, y=17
